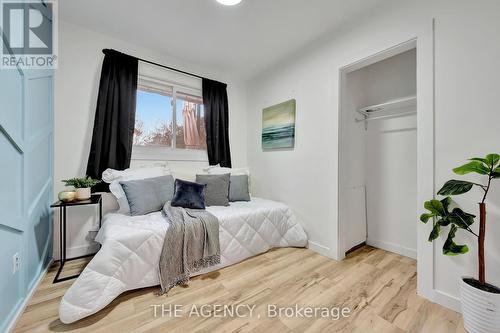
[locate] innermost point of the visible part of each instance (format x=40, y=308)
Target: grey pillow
x=238, y=188
x=217, y=189
x=148, y=195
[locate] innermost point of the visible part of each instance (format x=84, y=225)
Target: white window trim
x=162, y=153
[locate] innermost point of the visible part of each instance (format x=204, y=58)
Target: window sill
x=168, y=154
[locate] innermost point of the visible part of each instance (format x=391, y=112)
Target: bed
x=131, y=246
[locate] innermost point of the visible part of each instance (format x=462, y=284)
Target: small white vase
x=83, y=193
x=480, y=309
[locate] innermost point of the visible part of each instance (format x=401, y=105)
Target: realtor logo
x=28, y=33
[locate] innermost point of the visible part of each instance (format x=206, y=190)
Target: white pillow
x=218, y=170
x=114, y=177
x=185, y=173
x=110, y=174
x=210, y=167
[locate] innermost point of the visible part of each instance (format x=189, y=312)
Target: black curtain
x=217, y=122
x=114, y=121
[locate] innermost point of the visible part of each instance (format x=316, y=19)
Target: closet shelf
x=381, y=110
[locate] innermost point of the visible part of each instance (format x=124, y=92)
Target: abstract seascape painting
x=278, y=126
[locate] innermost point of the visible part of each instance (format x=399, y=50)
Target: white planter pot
x=83, y=193
x=480, y=309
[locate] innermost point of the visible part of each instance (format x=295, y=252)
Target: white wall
x=466, y=119
x=391, y=185
x=76, y=86
x=388, y=79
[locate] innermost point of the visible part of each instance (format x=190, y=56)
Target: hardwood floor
x=378, y=288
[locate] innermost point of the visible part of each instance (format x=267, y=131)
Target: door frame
x=424, y=43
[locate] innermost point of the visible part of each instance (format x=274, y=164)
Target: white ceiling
x=243, y=39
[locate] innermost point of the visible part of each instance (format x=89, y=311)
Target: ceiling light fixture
x=229, y=2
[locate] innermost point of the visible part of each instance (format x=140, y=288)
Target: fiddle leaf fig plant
x=445, y=213
x=443, y=217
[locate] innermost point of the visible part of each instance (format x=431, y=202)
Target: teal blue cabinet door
x=11, y=147
x=12, y=221
x=26, y=159
x=37, y=177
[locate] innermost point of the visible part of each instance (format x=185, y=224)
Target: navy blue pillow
x=188, y=195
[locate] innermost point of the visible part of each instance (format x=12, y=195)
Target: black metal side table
x=95, y=199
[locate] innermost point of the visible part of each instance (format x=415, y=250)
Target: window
x=153, y=118
x=169, y=121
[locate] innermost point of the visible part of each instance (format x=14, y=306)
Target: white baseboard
x=391, y=247
x=316, y=247
x=77, y=251
x=447, y=300
x=10, y=327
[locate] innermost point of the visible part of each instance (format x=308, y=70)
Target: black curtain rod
x=156, y=64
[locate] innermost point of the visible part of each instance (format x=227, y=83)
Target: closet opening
x=378, y=153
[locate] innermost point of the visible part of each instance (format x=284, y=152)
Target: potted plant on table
x=480, y=300
x=82, y=186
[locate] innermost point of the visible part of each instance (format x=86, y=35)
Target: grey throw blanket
x=191, y=244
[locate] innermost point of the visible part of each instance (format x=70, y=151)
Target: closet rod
x=395, y=115
x=159, y=65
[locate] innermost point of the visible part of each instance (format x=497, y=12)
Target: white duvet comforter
x=131, y=247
